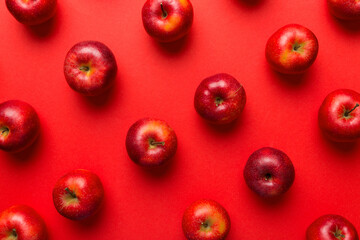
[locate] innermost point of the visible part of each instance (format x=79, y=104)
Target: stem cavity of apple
x=14, y=233
x=84, y=68
x=296, y=46
x=70, y=192
x=218, y=101
x=268, y=177
x=347, y=112
x=4, y=131
x=164, y=13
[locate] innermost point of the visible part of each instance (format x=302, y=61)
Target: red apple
x=31, y=12
x=339, y=115
x=331, y=227
x=206, y=220
x=292, y=49
x=220, y=99
x=19, y=125
x=269, y=172
x=90, y=68
x=167, y=20
x=151, y=142
x=78, y=194
x=345, y=9
x=21, y=222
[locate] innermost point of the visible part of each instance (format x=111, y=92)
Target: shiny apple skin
x=231, y=93
x=206, y=220
x=174, y=26
x=26, y=222
x=140, y=136
x=22, y=122
x=345, y=9
x=89, y=193
x=280, y=49
x=332, y=121
x=101, y=64
x=269, y=172
x=331, y=227
x=31, y=12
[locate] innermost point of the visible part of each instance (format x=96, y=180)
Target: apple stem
x=349, y=111
x=84, y=68
x=234, y=94
x=157, y=143
x=4, y=131
x=338, y=234
x=164, y=13
x=70, y=192
x=14, y=233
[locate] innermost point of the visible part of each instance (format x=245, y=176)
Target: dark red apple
x=31, y=12
x=339, y=115
x=78, y=194
x=151, y=142
x=90, y=68
x=292, y=49
x=206, y=220
x=167, y=20
x=269, y=172
x=19, y=125
x=220, y=99
x=345, y=9
x=331, y=227
x=21, y=222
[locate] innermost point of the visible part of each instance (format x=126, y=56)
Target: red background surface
x=159, y=81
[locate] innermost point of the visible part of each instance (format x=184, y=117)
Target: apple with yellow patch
x=167, y=20
x=78, y=194
x=90, y=68
x=292, y=49
x=206, y=220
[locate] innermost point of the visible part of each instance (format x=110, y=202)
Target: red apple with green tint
x=19, y=125
x=292, y=49
x=31, y=12
x=167, y=20
x=331, y=227
x=345, y=9
x=205, y=220
x=151, y=142
x=220, y=99
x=269, y=172
x=339, y=115
x=90, y=68
x=21, y=222
x=78, y=194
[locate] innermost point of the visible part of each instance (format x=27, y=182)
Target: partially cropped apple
x=21, y=222
x=167, y=20
x=220, y=99
x=331, y=227
x=78, y=194
x=31, y=12
x=269, y=172
x=90, y=68
x=345, y=9
x=206, y=220
x=19, y=125
x=292, y=49
x=339, y=115
x=151, y=142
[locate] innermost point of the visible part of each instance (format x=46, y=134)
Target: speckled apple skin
x=345, y=9
x=331, y=122
x=197, y=213
x=269, y=161
x=31, y=12
x=227, y=88
x=173, y=27
x=102, y=68
x=279, y=49
x=138, y=147
x=22, y=121
x=25, y=220
x=88, y=189
x=324, y=227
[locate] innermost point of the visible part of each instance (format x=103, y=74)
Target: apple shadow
x=175, y=48
x=251, y=4
x=349, y=26
x=162, y=171
x=44, y=30
x=272, y=203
